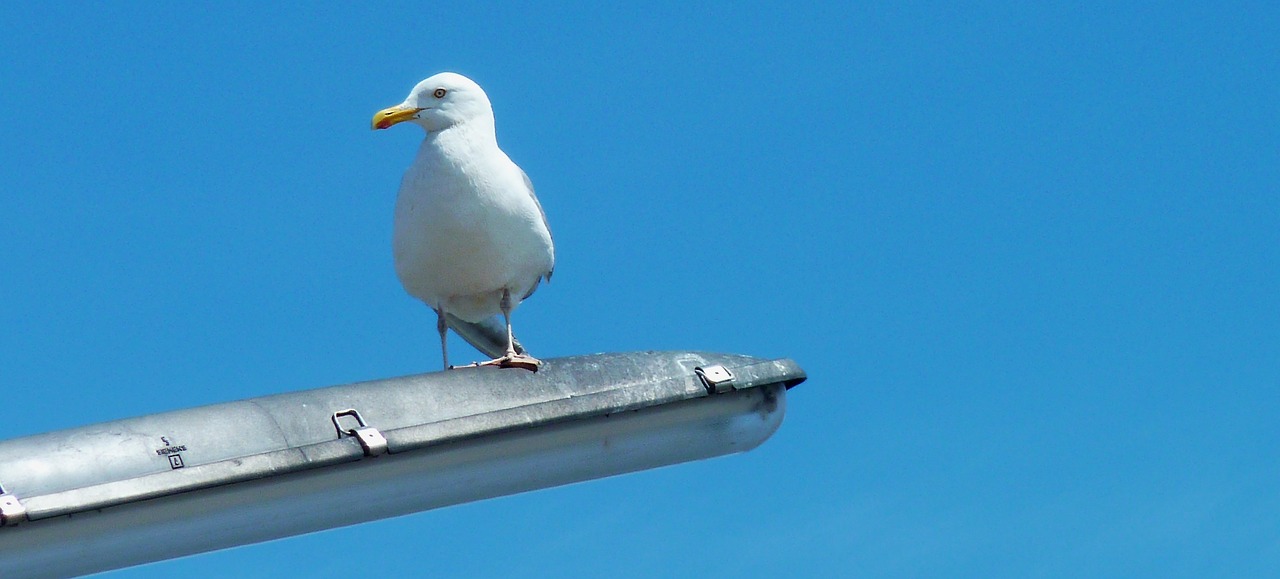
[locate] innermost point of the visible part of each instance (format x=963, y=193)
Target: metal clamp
x=716, y=378
x=372, y=441
x=12, y=510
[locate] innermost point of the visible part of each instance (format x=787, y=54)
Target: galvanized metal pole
x=144, y=489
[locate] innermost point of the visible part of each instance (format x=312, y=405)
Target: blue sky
x=1027, y=253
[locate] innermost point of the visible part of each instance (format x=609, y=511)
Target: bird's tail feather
x=488, y=335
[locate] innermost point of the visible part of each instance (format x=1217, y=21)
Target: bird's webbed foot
x=523, y=361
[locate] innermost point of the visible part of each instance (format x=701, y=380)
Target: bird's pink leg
x=512, y=359
x=442, y=326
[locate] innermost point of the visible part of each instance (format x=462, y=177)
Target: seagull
x=471, y=239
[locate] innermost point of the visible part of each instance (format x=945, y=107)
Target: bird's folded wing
x=532, y=195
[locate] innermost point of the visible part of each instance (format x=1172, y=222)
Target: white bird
x=470, y=239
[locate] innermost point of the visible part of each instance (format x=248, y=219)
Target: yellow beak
x=397, y=114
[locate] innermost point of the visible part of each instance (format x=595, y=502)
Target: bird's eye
x=439, y=93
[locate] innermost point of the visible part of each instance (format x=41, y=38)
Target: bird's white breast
x=466, y=227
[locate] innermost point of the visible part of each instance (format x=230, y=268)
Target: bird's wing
x=488, y=335
x=529, y=185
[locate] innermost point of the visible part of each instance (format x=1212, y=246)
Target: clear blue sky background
x=1027, y=253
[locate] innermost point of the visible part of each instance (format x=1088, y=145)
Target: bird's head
x=440, y=102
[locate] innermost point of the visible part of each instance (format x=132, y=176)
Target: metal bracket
x=12, y=511
x=716, y=378
x=372, y=441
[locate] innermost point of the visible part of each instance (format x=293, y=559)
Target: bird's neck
x=467, y=140
x=463, y=149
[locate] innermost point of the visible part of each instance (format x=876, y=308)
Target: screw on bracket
x=716, y=378
x=372, y=441
x=12, y=511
